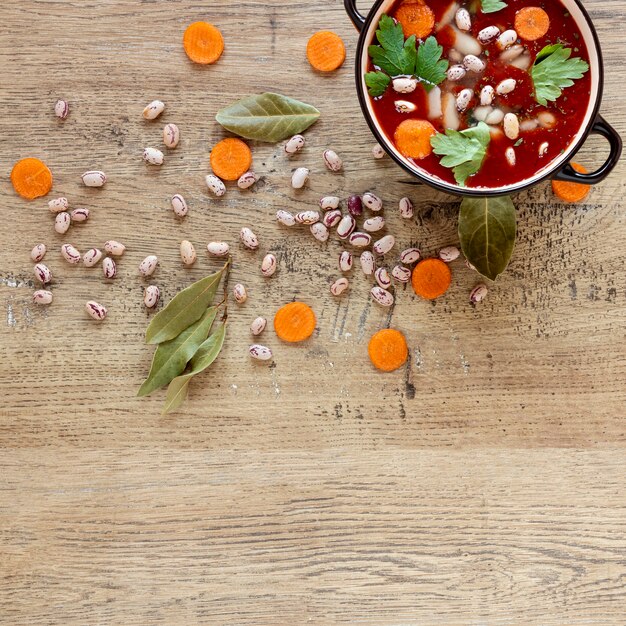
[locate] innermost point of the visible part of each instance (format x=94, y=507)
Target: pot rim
x=468, y=191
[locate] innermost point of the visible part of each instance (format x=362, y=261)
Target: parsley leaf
x=553, y=71
x=430, y=67
x=394, y=56
x=462, y=151
x=377, y=83
x=491, y=6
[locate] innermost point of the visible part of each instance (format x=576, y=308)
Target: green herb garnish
x=491, y=6
x=395, y=56
x=462, y=151
x=553, y=71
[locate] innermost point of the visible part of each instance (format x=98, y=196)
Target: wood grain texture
x=482, y=484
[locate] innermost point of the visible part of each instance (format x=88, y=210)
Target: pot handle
x=357, y=19
x=600, y=127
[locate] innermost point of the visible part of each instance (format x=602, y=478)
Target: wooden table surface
x=482, y=484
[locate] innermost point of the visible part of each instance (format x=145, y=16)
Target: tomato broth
x=545, y=131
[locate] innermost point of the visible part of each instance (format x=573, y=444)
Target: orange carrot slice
x=431, y=278
x=416, y=18
x=571, y=192
x=412, y=138
x=31, y=178
x=203, y=43
x=531, y=23
x=387, y=350
x=294, y=322
x=325, y=51
x=230, y=158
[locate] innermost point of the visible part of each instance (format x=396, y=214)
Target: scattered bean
x=372, y=201
x=355, y=205
x=367, y=262
x=382, y=296
x=70, y=253
x=38, y=252
x=463, y=20
x=506, y=39
x=339, y=286
x=41, y=296
x=410, y=256
x=307, y=217
x=260, y=353
x=345, y=261
x=61, y=109
x=95, y=310
x=401, y=274
x=171, y=135
x=378, y=152
x=374, y=224
x=506, y=86
x=79, y=215
x=114, y=248
x=94, y=178
x=511, y=126
x=285, y=218
x=487, y=34
x=300, y=177
x=404, y=84
x=479, y=293
x=240, y=294
x=332, y=218
x=215, y=185
x=406, y=208
x=62, y=222
x=487, y=94
x=473, y=64
x=463, y=99
x=109, y=269
x=151, y=296
x=153, y=110
x=218, y=248
x=269, y=265
x=320, y=231
x=247, y=180
x=148, y=265
x=346, y=226
x=329, y=202
x=510, y=156
x=179, y=205
x=92, y=257
x=58, y=204
x=332, y=160
x=258, y=326
x=187, y=253
x=449, y=254
x=382, y=277
x=456, y=72
x=153, y=156
x=42, y=273
x=385, y=244
x=404, y=106
x=248, y=238
x=360, y=240
x=295, y=144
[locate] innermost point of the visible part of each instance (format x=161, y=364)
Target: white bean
x=434, y=103
x=506, y=86
x=295, y=144
x=58, y=204
x=61, y=109
x=456, y=72
x=218, y=248
x=463, y=99
x=479, y=293
x=466, y=44
x=506, y=39
x=528, y=125
x=543, y=148
x=378, y=151
x=79, y=215
x=495, y=116
x=511, y=126
x=473, y=64
x=510, y=156
x=94, y=178
x=487, y=94
x=481, y=113
x=449, y=254
x=488, y=33
x=404, y=84
x=299, y=178
x=546, y=119
x=42, y=273
x=463, y=20
x=404, y=106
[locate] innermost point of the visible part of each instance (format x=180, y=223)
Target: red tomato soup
x=484, y=77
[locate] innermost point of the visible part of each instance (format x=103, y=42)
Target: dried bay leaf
x=202, y=359
x=171, y=357
x=267, y=117
x=487, y=230
x=185, y=308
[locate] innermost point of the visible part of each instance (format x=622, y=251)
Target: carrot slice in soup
x=325, y=51
x=294, y=322
x=531, y=23
x=31, y=178
x=387, y=350
x=412, y=138
x=571, y=192
x=230, y=158
x=203, y=43
x=416, y=18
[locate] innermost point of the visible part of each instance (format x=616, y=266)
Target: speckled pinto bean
x=332, y=218
x=151, y=296
x=218, y=248
x=367, y=263
x=269, y=265
x=38, y=252
x=258, y=326
x=70, y=253
x=329, y=202
x=320, y=231
x=260, y=353
x=95, y=310
x=382, y=296
x=346, y=226
x=339, y=286
x=109, y=268
x=92, y=257
x=179, y=205
x=307, y=217
x=285, y=218
x=248, y=238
